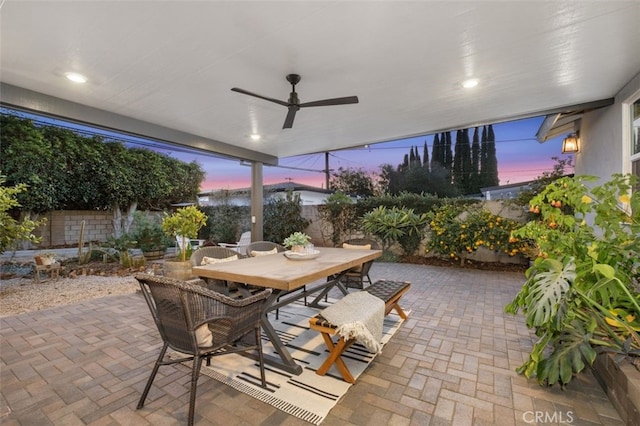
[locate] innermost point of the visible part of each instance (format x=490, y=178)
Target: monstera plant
x=582, y=293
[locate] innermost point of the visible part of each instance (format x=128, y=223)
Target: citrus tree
x=582, y=294
x=457, y=230
x=184, y=223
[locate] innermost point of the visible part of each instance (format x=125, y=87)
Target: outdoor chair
x=243, y=242
x=180, y=241
x=213, y=254
x=263, y=248
x=356, y=277
x=201, y=324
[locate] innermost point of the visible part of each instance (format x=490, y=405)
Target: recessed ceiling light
x=468, y=84
x=255, y=137
x=75, y=77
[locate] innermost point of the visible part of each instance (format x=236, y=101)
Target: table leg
x=327, y=288
x=286, y=361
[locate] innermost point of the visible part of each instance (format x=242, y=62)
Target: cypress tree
x=457, y=161
x=425, y=156
x=465, y=153
x=405, y=164
x=492, y=160
x=475, y=163
x=484, y=166
x=435, y=152
x=448, y=154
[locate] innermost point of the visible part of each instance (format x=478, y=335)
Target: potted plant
x=150, y=237
x=582, y=294
x=297, y=242
x=183, y=224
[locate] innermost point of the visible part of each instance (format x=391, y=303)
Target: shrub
x=148, y=233
x=224, y=222
x=396, y=224
x=456, y=231
x=283, y=217
x=338, y=213
x=581, y=295
x=11, y=230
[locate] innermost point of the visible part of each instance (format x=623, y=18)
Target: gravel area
x=20, y=295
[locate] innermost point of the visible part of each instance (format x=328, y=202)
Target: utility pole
x=326, y=169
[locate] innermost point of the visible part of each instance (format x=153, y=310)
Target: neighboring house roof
x=276, y=187
x=309, y=195
x=505, y=191
x=510, y=190
x=507, y=186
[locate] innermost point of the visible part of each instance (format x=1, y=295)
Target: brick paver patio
x=451, y=363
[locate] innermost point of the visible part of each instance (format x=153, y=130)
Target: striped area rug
x=307, y=396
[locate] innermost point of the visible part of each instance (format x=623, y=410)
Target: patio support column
x=256, y=201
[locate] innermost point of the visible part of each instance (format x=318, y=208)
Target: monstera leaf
x=571, y=348
x=547, y=289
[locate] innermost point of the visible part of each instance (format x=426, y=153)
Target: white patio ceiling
x=165, y=69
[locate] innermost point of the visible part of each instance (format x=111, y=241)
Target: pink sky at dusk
x=520, y=158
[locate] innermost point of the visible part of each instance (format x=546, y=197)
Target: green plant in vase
x=582, y=293
x=297, y=241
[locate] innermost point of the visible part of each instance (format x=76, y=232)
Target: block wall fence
x=63, y=226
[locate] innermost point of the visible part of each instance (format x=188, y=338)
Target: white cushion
x=256, y=253
x=356, y=247
x=204, y=336
x=211, y=260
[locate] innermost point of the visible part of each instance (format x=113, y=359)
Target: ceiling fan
x=293, y=104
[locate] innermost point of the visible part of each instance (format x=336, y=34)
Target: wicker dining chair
x=356, y=277
x=261, y=248
x=201, y=324
x=219, y=253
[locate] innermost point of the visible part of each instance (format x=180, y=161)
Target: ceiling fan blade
x=288, y=122
x=266, y=98
x=334, y=101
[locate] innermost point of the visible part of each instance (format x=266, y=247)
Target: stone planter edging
x=621, y=383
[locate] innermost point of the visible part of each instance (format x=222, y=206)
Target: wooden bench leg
x=398, y=309
x=335, y=352
x=388, y=291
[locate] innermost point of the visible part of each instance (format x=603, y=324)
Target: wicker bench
x=390, y=292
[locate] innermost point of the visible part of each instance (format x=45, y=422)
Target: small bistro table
x=284, y=275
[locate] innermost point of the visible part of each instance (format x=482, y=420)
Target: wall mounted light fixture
x=571, y=144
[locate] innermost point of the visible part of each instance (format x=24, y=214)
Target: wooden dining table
x=285, y=275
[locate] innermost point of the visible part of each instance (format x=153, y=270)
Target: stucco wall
x=604, y=146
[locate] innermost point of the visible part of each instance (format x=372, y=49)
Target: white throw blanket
x=360, y=316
